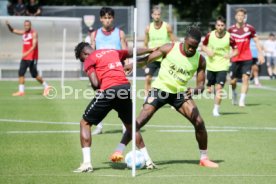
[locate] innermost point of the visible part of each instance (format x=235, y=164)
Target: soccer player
x=107, y=37
x=157, y=34
x=270, y=53
x=106, y=73
x=241, y=64
x=217, y=45
x=255, y=64
x=29, y=57
x=179, y=64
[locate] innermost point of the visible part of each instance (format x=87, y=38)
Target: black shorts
x=158, y=98
x=117, y=98
x=218, y=77
x=254, y=61
x=237, y=69
x=31, y=64
x=152, y=68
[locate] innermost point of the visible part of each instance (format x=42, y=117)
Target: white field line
x=140, y=176
x=192, y=131
x=77, y=131
x=149, y=125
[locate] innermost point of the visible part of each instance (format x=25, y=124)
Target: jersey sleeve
x=89, y=65
x=123, y=54
x=206, y=39
x=253, y=32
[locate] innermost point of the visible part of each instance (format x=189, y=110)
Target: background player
x=107, y=37
x=241, y=64
x=217, y=46
x=29, y=57
x=157, y=34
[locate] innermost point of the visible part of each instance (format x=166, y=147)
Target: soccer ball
x=140, y=159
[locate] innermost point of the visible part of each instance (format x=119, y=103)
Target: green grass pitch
x=39, y=140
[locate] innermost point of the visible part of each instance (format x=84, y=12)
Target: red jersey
x=27, y=44
x=108, y=66
x=242, y=37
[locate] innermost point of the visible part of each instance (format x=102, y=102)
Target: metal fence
x=261, y=16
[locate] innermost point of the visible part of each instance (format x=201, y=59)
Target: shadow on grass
x=116, y=131
x=232, y=113
x=195, y=162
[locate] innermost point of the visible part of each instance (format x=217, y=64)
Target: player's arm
x=260, y=51
x=33, y=46
x=234, y=50
x=15, y=31
x=93, y=42
x=146, y=40
x=93, y=79
x=170, y=33
x=205, y=48
x=200, y=79
x=123, y=40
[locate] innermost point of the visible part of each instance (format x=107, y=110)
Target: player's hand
x=261, y=59
x=210, y=53
x=188, y=93
x=7, y=22
x=227, y=56
x=128, y=68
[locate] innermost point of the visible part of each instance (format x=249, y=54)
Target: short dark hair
x=107, y=10
x=221, y=18
x=271, y=34
x=79, y=48
x=28, y=21
x=241, y=10
x=194, y=32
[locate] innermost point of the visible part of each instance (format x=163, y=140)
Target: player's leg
x=210, y=80
x=220, y=81
x=21, y=78
x=234, y=69
x=124, y=108
x=190, y=111
x=34, y=74
x=269, y=68
x=255, y=72
x=274, y=67
x=149, y=71
x=97, y=109
x=246, y=71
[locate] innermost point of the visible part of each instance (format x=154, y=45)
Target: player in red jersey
x=29, y=57
x=241, y=64
x=106, y=73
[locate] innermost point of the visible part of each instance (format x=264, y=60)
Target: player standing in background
x=157, y=34
x=270, y=53
x=29, y=57
x=255, y=63
x=217, y=46
x=241, y=64
x=106, y=74
x=107, y=37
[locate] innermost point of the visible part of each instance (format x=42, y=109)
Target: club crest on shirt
x=246, y=29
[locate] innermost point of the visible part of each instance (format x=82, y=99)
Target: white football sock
x=100, y=125
x=86, y=155
x=21, y=88
x=216, y=107
x=145, y=153
x=203, y=154
x=256, y=80
x=45, y=84
x=242, y=98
